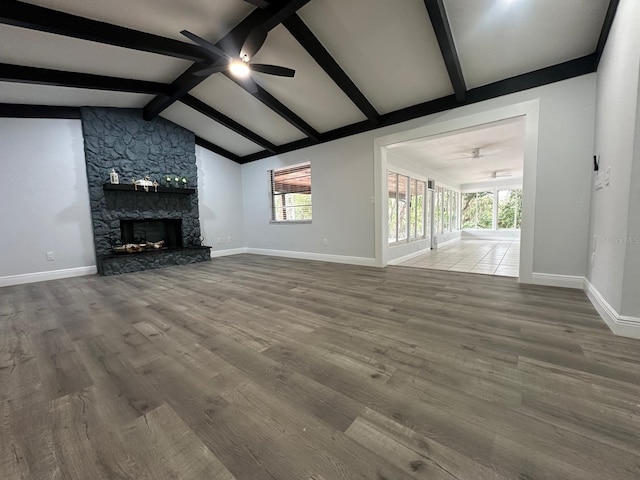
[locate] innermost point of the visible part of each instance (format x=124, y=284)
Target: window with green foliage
x=437, y=212
x=446, y=210
x=509, y=208
x=416, y=209
x=477, y=210
x=291, y=193
x=406, y=202
x=445, y=214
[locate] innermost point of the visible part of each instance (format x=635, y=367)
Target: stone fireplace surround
x=123, y=140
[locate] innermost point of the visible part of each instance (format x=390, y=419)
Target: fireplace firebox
x=152, y=230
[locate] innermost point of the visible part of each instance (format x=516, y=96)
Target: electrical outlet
x=228, y=239
x=50, y=257
x=218, y=240
x=325, y=242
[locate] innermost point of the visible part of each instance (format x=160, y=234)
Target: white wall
x=344, y=183
x=614, y=272
x=44, y=200
x=341, y=189
x=220, y=201
x=631, y=281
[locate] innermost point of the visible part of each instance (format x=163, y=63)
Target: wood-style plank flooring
x=251, y=367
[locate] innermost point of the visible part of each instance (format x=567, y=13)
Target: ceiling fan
x=239, y=62
x=497, y=174
x=478, y=152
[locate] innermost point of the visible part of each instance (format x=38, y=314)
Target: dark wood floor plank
x=371, y=392
x=253, y=367
x=117, y=380
x=314, y=449
x=538, y=438
x=416, y=454
x=27, y=453
x=87, y=441
x=168, y=448
x=61, y=369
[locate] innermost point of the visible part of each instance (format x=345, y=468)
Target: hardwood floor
x=252, y=367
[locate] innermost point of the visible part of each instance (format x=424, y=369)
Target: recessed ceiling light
x=239, y=68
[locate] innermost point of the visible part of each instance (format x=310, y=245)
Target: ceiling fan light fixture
x=239, y=69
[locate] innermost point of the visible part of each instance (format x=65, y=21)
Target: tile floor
x=491, y=257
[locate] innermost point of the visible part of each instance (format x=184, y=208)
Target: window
x=509, y=208
x=291, y=193
x=428, y=211
x=478, y=209
x=406, y=210
x=445, y=214
x=392, y=184
x=437, y=213
x=403, y=186
x=418, y=208
x=454, y=211
x=446, y=205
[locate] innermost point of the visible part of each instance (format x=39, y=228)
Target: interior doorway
x=451, y=208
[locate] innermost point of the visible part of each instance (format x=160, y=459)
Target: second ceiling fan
x=239, y=62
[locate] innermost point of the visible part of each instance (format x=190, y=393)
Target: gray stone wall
x=122, y=139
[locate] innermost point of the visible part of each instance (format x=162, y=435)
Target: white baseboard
x=620, y=325
x=553, y=280
x=320, y=257
x=409, y=256
x=230, y=251
x=44, y=276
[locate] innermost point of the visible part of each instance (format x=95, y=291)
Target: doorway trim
x=530, y=110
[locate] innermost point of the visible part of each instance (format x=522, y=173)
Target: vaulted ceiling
x=359, y=64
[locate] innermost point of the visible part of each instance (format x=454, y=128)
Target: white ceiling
x=387, y=48
x=449, y=155
x=498, y=39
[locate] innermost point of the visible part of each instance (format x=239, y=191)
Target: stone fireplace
x=120, y=139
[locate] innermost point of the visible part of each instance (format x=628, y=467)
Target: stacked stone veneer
x=122, y=139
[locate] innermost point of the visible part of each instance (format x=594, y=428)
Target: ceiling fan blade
x=253, y=43
x=248, y=83
x=272, y=69
x=205, y=44
x=258, y=3
x=208, y=71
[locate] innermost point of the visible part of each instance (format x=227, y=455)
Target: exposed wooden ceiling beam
x=537, y=78
x=606, y=28
x=228, y=122
x=312, y=45
x=230, y=42
x=442, y=29
x=43, y=19
x=58, y=78
x=20, y=110
x=274, y=104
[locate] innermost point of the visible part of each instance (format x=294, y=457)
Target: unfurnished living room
x=320, y=239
